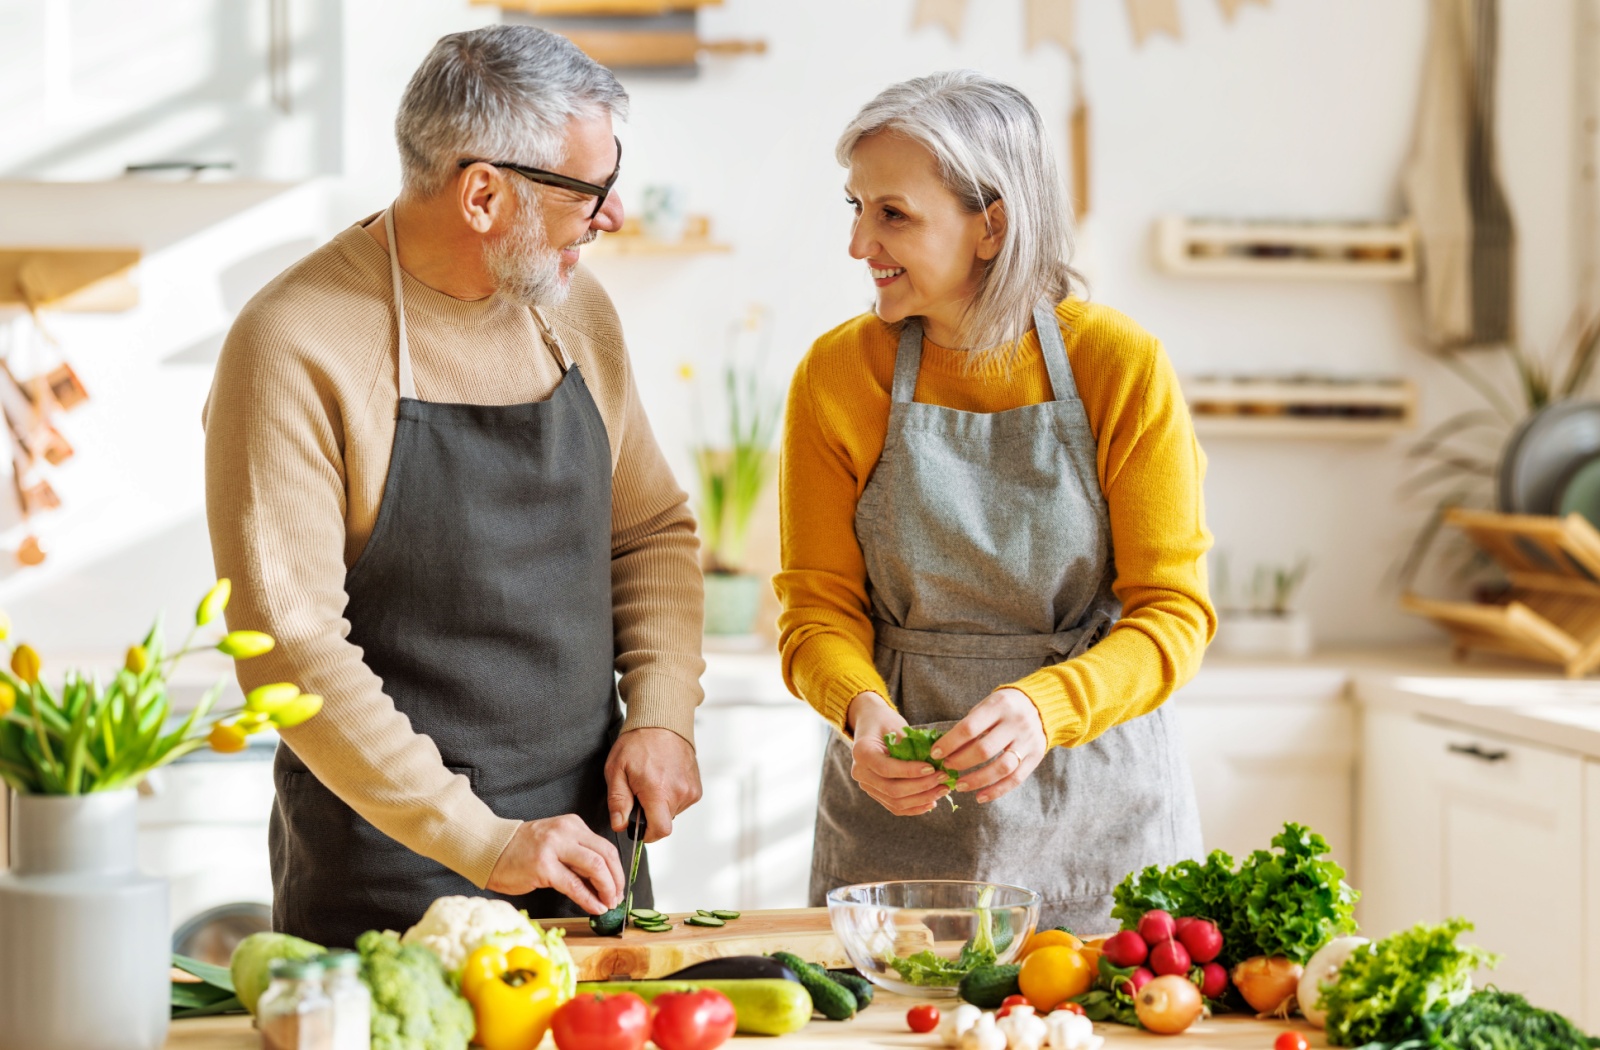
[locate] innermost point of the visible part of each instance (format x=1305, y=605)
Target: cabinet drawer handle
x=1474, y=751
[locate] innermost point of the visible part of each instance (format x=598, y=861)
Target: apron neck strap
x=408, y=384
x=1054, y=349
x=562, y=357
x=908, y=360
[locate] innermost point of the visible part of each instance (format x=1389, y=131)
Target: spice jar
x=295, y=1013
x=352, y=1002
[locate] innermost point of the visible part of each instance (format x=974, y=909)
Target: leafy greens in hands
x=916, y=745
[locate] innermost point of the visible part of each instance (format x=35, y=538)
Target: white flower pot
x=1263, y=634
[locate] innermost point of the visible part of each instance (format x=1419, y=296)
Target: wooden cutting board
x=642, y=956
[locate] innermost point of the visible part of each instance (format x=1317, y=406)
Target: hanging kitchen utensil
x=1542, y=451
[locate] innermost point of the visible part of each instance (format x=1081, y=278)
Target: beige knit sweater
x=299, y=427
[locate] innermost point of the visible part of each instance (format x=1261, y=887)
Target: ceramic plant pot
x=732, y=602
x=85, y=945
x=1263, y=634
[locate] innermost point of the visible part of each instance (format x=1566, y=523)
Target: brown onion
x=1168, y=1005
x=1268, y=983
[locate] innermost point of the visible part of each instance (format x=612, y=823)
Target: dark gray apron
x=483, y=601
x=987, y=544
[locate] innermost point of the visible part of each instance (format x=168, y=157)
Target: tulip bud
x=215, y=601
x=138, y=660
x=226, y=739
x=242, y=645
x=267, y=699
x=5, y=626
x=25, y=663
x=253, y=721
x=8, y=699
x=302, y=708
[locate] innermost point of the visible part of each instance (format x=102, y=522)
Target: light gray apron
x=988, y=552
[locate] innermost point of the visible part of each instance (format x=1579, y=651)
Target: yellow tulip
x=25, y=663
x=253, y=721
x=686, y=372
x=138, y=660
x=5, y=626
x=8, y=699
x=268, y=699
x=242, y=645
x=300, y=709
x=215, y=601
x=226, y=739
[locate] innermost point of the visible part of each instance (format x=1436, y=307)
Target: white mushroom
x=1023, y=1029
x=984, y=1035
x=957, y=1022
x=1070, y=1031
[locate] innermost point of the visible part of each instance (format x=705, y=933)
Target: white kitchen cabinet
x=1457, y=821
x=1591, y=895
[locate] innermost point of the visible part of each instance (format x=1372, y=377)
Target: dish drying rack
x=1552, y=613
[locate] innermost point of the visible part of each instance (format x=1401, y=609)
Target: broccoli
x=413, y=1005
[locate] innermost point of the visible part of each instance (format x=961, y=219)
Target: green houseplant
x=73, y=754
x=733, y=472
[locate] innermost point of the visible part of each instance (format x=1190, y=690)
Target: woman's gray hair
x=503, y=92
x=989, y=144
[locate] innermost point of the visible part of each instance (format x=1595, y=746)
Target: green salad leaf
x=1384, y=991
x=916, y=745
x=1496, y=1020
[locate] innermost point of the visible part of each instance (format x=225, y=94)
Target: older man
x=429, y=473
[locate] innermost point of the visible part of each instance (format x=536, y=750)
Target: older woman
x=991, y=518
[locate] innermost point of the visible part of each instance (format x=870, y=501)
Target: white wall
x=1300, y=109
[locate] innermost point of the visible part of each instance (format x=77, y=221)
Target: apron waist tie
x=1060, y=645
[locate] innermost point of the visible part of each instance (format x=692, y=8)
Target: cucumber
x=763, y=1007
x=987, y=986
x=857, y=985
x=725, y=916
x=707, y=914
x=610, y=924
x=703, y=920
x=832, y=999
x=665, y=927
x=645, y=913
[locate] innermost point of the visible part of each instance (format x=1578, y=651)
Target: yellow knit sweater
x=1150, y=469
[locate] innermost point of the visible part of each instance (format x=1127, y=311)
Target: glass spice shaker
x=352, y=1002
x=295, y=1013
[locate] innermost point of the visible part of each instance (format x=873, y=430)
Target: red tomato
x=1008, y=1002
x=1290, y=1041
x=702, y=1020
x=1070, y=1007
x=602, y=1022
x=922, y=1018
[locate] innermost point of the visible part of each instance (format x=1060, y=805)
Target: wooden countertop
x=881, y=1025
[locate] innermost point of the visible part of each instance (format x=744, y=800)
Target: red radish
x=1182, y=923
x=1213, y=980
x=1126, y=949
x=1137, y=980
x=1202, y=939
x=1169, y=958
x=1156, y=926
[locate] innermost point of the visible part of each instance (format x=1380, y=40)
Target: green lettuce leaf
x=1384, y=991
x=1290, y=902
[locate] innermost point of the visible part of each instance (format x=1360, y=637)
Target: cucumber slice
x=646, y=913
x=642, y=923
x=661, y=927
x=726, y=916
x=707, y=914
x=703, y=920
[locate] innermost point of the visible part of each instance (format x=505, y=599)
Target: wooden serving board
x=642, y=956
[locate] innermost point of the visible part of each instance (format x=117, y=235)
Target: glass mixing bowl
x=920, y=938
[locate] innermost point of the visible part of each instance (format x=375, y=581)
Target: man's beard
x=524, y=266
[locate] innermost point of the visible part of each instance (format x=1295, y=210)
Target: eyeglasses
x=565, y=182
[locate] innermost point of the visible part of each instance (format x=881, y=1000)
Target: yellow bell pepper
x=513, y=994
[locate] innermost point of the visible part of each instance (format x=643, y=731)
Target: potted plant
x=74, y=898
x=1264, y=624
x=733, y=472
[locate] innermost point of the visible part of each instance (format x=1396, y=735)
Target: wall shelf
x=1315, y=250
x=625, y=8
x=1317, y=407
x=632, y=240
x=77, y=279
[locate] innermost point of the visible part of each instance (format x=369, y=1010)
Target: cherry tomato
x=1008, y=1002
x=702, y=1020
x=1290, y=1041
x=1070, y=1007
x=922, y=1018
x=602, y=1022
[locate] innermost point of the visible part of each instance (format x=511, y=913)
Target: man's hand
x=1004, y=724
x=658, y=767
x=562, y=853
x=906, y=789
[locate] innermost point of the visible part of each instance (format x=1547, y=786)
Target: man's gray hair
x=989, y=144
x=501, y=93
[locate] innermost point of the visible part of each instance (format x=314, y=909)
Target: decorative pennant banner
x=1154, y=16
x=1055, y=20
x=1231, y=7
x=948, y=13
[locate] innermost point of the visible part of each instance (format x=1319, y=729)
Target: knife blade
x=636, y=832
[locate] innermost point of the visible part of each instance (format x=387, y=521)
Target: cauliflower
x=413, y=1005
x=455, y=927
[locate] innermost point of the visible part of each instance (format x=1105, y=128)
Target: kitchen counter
x=881, y=1025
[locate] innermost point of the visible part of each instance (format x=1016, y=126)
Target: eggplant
x=735, y=968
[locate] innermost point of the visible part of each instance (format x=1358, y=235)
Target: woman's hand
x=903, y=788
x=1005, y=724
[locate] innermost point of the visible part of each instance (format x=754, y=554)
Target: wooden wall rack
x=648, y=36
x=632, y=240
x=75, y=279
x=1553, y=611
x=1300, y=407
x=1346, y=251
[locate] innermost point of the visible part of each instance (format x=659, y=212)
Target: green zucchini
x=987, y=986
x=762, y=1007
x=858, y=986
x=703, y=920
x=832, y=999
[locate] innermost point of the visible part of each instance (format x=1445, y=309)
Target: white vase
x=85, y=941
x=1263, y=634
